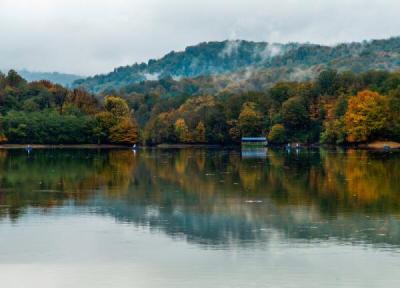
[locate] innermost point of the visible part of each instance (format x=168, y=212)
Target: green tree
x=234, y=130
x=117, y=106
x=295, y=114
x=104, y=122
x=334, y=132
x=30, y=105
x=394, y=119
x=328, y=83
x=277, y=135
x=13, y=79
x=160, y=129
x=280, y=92
x=250, y=120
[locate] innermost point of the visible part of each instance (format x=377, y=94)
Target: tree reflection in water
x=216, y=197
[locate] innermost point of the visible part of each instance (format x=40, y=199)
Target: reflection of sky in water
x=80, y=249
x=164, y=218
x=247, y=223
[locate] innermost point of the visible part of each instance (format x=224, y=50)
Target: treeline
x=335, y=108
x=45, y=113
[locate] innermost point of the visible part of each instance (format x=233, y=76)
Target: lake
x=199, y=218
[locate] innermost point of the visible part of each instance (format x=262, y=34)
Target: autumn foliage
x=118, y=124
x=366, y=116
x=334, y=108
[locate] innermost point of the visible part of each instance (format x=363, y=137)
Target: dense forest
x=335, y=108
x=45, y=113
x=260, y=63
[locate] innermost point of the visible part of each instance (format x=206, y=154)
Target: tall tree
x=200, y=133
x=366, y=116
x=84, y=101
x=13, y=79
x=182, y=131
x=116, y=106
x=60, y=96
x=250, y=120
x=124, y=132
x=277, y=135
x=295, y=114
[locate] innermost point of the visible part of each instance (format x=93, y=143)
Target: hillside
x=55, y=77
x=246, y=59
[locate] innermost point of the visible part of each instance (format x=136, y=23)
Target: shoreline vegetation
x=62, y=146
x=376, y=145
x=342, y=109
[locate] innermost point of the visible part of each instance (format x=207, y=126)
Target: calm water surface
x=199, y=218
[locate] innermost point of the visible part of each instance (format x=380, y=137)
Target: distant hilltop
x=240, y=61
x=55, y=77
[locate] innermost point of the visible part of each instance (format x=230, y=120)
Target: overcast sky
x=94, y=36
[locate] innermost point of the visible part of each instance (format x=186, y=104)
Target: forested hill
x=291, y=61
x=55, y=77
x=335, y=108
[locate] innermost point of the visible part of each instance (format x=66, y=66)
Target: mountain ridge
x=232, y=56
x=64, y=79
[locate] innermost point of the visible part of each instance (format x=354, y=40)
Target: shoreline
x=380, y=145
x=63, y=146
x=179, y=146
x=377, y=145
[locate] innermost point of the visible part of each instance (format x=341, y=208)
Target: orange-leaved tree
x=200, y=133
x=366, y=116
x=117, y=123
x=182, y=131
x=124, y=132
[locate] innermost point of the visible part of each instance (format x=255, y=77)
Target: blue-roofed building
x=254, y=141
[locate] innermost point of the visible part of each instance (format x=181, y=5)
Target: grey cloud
x=94, y=36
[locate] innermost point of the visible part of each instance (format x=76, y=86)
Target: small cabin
x=254, y=141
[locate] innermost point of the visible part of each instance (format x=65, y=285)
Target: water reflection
x=251, y=153
x=216, y=197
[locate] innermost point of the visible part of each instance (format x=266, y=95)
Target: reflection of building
x=255, y=152
x=254, y=147
x=254, y=142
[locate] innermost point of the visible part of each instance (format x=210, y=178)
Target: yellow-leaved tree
x=366, y=116
x=250, y=120
x=200, y=133
x=117, y=121
x=182, y=131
